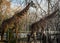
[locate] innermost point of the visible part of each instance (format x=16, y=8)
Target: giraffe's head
x=32, y=4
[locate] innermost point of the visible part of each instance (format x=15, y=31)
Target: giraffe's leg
x=16, y=30
x=2, y=34
x=44, y=36
x=16, y=35
x=32, y=36
x=29, y=36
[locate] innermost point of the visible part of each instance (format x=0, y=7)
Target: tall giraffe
x=41, y=24
x=13, y=22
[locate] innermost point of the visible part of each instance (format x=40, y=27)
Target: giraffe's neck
x=24, y=11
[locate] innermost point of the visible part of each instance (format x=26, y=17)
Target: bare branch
x=40, y=6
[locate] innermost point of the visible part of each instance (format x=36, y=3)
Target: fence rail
x=24, y=39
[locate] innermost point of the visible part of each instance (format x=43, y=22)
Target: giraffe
x=41, y=24
x=13, y=22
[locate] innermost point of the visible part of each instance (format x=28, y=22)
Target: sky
x=16, y=3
